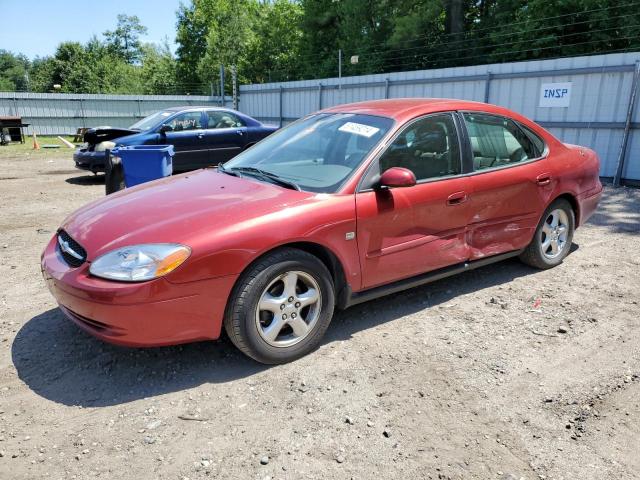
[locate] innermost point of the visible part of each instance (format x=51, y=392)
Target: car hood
x=180, y=209
x=102, y=134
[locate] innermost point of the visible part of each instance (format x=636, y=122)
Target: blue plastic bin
x=143, y=163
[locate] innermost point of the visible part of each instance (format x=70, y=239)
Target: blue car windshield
x=151, y=121
x=318, y=153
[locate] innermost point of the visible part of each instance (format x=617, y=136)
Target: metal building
x=63, y=113
x=595, y=114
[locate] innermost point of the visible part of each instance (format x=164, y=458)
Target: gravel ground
x=504, y=372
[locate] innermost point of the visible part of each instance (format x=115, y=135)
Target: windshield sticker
x=359, y=129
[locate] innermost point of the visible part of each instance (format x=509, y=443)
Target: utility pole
x=340, y=68
x=234, y=82
x=222, y=85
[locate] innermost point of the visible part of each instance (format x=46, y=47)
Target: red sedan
x=342, y=206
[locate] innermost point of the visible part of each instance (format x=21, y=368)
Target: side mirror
x=397, y=177
x=165, y=128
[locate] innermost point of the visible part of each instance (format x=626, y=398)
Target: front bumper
x=91, y=161
x=146, y=314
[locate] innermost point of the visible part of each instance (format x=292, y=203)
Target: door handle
x=240, y=132
x=201, y=135
x=457, y=198
x=543, y=179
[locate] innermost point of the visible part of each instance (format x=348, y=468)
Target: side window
x=186, y=121
x=222, y=119
x=428, y=147
x=497, y=141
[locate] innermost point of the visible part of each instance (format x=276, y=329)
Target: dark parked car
x=201, y=136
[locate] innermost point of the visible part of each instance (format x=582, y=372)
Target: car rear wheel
x=552, y=239
x=281, y=307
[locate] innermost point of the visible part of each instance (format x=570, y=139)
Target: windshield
x=151, y=121
x=317, y=153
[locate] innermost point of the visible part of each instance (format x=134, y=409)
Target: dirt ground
x=504, y=372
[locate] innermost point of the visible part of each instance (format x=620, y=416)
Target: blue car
x=201, y=136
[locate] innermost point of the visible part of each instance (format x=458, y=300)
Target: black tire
x=240, y=316
x=114, y=175
x=533, y=255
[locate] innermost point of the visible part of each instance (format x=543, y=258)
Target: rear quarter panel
x=575, y=171
x=578, y=170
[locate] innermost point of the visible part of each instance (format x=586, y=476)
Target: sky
x=35, y=28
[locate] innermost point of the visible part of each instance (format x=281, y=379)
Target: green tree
x=191, y=37
x=41, y=74
x=13, y=71
x=158, y=71
x=364, y=27
x=90, y=68
x=319, y=45
x=124, y=40
x=229, y=33
x=273, y=54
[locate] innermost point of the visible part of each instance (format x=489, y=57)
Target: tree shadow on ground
x=60, y=362
x=619, y=211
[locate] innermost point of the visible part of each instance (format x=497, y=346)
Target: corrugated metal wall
x=601, y=90
x=63, y=113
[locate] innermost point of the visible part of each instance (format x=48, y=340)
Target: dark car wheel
x=281, y=307
x=553, y=237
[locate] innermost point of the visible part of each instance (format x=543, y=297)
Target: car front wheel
x=281, y=307
x=552, y=239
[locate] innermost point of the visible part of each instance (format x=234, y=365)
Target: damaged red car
x=345, y=205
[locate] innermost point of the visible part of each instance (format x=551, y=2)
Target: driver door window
x=185, y=121
x=428, y=147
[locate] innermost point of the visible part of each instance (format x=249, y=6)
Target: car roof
x=197, y=107
x=401, y=109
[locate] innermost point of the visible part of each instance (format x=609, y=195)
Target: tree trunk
x=454, y=17
x=454, y=31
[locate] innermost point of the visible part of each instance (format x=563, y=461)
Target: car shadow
x=86, y=180
x=60, y=362
x=392, y=307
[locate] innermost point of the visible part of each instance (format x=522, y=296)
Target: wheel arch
x=575, y=206
x=324, y=254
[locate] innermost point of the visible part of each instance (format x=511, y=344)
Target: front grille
x=72, y=252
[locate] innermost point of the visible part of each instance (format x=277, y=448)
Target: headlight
x=138, y=263
x=102, y=146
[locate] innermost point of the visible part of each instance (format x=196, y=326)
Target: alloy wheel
x=288, y=309
x=554, y=234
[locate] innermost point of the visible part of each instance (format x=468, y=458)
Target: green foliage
x=229, y=32
x=273, y=53
x=124, y=40
x=191, y=37
x=13, y=71
x=276, y=40
x=158, y=71
x=120, y=63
